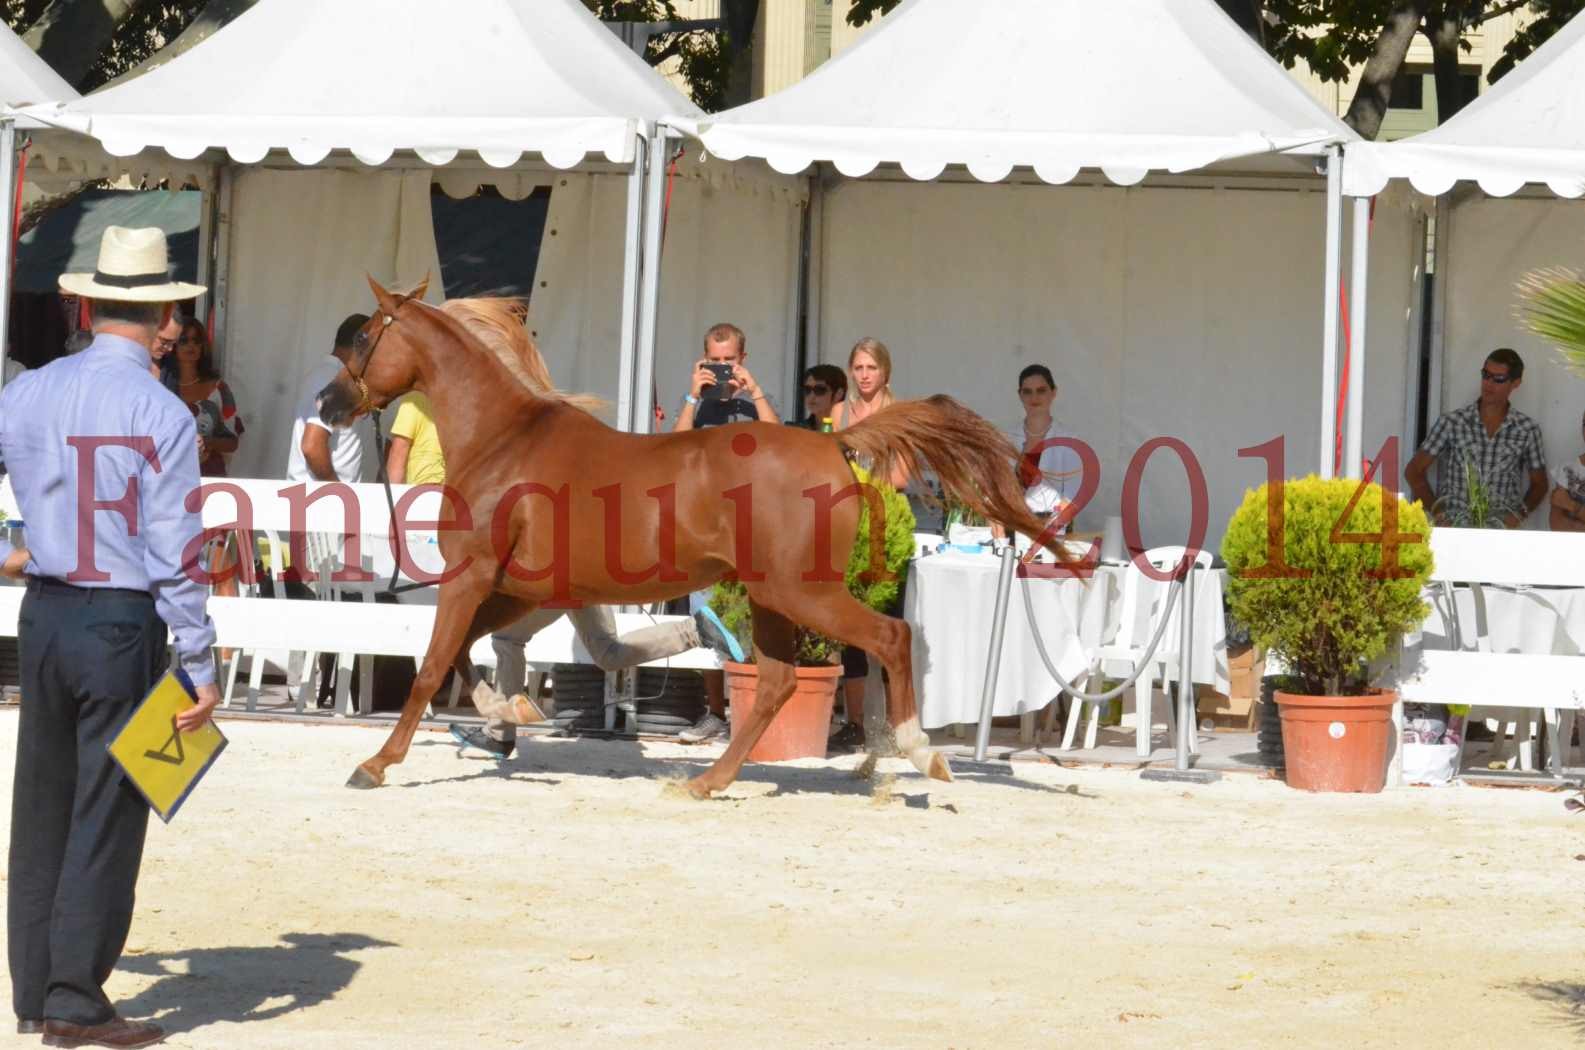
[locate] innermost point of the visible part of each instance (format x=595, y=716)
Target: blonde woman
x=869, y=383
x=869, y=391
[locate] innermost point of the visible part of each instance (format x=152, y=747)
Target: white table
x=1520, y=619
x=950, y=603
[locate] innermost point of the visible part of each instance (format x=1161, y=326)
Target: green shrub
x=729, y=598
x=1328, y=625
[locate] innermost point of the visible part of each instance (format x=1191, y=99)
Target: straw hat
x=133, y=267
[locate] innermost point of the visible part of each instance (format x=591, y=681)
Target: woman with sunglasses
x=824, y=387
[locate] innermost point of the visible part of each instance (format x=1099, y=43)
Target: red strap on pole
x=665, y=217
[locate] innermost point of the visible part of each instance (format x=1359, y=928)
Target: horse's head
x=383, y=364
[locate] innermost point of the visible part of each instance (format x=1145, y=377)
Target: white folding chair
x=1144, y=603
x=247, y=559
x=323, y=551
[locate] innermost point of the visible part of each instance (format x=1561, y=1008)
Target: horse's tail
x=973, y=460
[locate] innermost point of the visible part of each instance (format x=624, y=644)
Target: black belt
x=51, y=585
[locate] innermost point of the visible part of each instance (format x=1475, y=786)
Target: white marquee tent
x=1523, y=144
x=1166, y=303
x=24, y=78
x=347, y=86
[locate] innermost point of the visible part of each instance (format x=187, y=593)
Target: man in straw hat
x=102, y=459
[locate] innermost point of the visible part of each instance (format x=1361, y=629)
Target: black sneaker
x=714, y=635
x=478, y=740
x=849, y=738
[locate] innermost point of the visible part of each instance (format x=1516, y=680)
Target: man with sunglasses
x=824, y=386
x=1501, y=444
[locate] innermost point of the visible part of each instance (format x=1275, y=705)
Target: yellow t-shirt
x=415, y=421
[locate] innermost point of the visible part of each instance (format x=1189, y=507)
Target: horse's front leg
x=458, y=601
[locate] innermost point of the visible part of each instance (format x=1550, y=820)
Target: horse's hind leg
x=462, y=606
x=832, y=611
x=775, y=646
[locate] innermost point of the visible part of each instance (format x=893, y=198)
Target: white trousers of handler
x=596, y=629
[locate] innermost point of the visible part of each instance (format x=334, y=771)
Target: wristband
x=690, y=399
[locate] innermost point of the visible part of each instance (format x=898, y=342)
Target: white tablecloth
x=950, y=605
x=1546, y=621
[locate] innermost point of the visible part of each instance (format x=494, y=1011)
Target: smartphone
x=723, y=375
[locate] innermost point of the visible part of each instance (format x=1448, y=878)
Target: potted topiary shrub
x=1327, y=576
x=800, y=727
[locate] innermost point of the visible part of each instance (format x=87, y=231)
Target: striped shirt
x=1502, y=461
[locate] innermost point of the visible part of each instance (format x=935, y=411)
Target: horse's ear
x=419, y=290
x=387, y=302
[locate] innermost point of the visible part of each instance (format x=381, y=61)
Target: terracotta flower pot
x=800, y=728
x=1336, y=743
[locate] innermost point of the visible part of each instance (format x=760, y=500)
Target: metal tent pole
x=1329, y=315
x=8, y=177
x=1354, y=434
x=1185, y=699
x=633, y=234
x=649, y=287
x=993, y=660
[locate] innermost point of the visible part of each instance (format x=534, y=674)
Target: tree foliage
x=705, y=57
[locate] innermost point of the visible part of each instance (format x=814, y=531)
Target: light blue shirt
x=106, y=391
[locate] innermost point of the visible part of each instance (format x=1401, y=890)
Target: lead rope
x=1139, y=669
x=391, y=586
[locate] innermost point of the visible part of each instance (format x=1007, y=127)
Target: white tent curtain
x=730, y=255
x=1183, y=312
x=301, y=244
x=1490, y=246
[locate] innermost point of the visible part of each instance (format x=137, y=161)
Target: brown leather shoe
x=118, y=1033
x=30, y=1027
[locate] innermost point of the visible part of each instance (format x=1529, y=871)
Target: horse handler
x=102, y=459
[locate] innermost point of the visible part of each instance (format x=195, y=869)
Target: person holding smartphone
x=722, y=390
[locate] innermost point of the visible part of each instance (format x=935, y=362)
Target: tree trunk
x=71, y=34
x=1248, y=16
x=741, y=16
x=1374, y=89
x=215, y=15
x=1451, y=94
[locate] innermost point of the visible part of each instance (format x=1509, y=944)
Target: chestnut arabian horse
x=549, y=505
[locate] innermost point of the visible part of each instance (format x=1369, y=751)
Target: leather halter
x=365, y=404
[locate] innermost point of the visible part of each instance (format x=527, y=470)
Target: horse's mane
x=498, y=323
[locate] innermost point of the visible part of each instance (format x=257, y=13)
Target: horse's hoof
x=697, y=789
x=866, y=768
x=363, y=780
x=932, y=764
x=940, y=768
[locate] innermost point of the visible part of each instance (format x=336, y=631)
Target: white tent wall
x=730, y=255
x=1162, y=311
x=301, y=244
x=1493, y=243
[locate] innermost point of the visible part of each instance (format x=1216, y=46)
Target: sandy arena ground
x=568, y=899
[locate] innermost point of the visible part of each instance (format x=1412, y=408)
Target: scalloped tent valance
x=1142, y=85
x=1528, y=129
x=499, y=78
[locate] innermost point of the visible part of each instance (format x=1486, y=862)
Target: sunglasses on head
x=817, y=389
x=1493, y=377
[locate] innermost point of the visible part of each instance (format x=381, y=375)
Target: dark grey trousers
x=77, y=824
